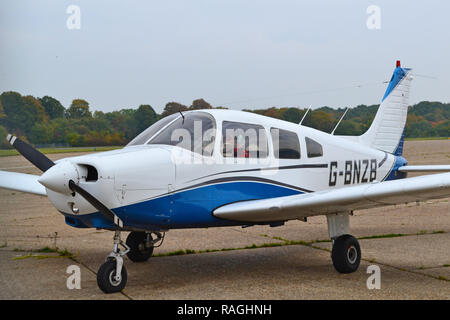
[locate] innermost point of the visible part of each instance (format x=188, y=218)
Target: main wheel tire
x=346, y=254
x=139, y=252
x=105, y=277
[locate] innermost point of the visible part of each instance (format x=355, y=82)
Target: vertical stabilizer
x=387, y=129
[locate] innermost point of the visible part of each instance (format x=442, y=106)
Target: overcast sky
x=234, y=53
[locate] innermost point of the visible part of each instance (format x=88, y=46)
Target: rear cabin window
x=285, y=144
x=313, y=148
x=243, y=140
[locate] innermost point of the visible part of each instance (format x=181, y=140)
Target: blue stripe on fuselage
x=399, y=150
x=186, y=209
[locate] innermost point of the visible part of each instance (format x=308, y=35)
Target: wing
x=21, y=182
x=426, y=168
x=338, y=200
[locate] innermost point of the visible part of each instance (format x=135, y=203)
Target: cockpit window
x=148, y=133
x=194, y=131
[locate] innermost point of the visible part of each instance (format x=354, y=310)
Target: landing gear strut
x=112, y=275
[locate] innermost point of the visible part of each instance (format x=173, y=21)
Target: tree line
x=45, y=121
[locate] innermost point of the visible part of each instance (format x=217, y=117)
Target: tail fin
x=387, y=130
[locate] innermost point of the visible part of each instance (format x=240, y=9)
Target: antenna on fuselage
x=304, y=116
x=337, y=125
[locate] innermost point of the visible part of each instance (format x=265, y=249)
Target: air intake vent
x=92, y=174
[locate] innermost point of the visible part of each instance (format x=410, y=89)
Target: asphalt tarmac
x=410, y=244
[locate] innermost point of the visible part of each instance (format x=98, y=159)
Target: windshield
x=148, y=133
x=194, y=131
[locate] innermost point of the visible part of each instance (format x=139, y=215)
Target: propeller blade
x=97, y=204
x=30, y=153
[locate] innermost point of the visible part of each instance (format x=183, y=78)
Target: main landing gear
x=112, y=275
x=346, y=252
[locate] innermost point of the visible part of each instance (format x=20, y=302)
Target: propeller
x=34, y=156
x=55, y=179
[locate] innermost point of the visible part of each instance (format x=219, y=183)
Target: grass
x=381, y=236
x=61, y=253
x=190, y=251
x=47, y=250
x=286, y=242
x=4, y=245
x=396, y=235
x=426, y=138
x=12, y=152
x=252, y=246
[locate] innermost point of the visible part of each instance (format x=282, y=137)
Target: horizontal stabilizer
x=426, y=168
x=346, y=199
x=21, y=182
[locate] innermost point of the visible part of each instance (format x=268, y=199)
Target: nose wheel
x=346, y=254
x=109, y=280
x=112, y=275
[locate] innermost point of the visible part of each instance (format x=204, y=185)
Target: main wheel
x=346, y=254
x=140, y=249
x=106, y=277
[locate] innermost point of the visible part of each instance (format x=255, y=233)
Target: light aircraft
x=215, y=168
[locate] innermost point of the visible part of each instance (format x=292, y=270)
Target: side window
x=285, y=144
x=313, y=148
x=243, y=140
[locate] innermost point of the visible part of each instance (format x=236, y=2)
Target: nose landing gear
x=112, y=275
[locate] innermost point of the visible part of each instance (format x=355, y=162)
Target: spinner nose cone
x=57, y=177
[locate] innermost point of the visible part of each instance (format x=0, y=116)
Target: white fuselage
x=182, y=180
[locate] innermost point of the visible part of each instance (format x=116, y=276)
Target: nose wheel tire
x=346, y=254
x=141, y=246
x=107, y=280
